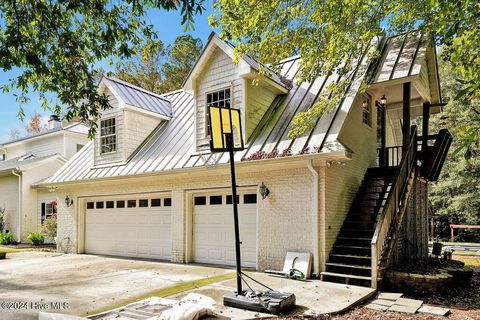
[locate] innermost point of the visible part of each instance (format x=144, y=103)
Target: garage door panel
x=213, y=232
x=142, y=232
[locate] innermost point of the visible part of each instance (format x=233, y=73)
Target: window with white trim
x=49, y=209
x=108, y=136
x=219, y=98
x=367, y=110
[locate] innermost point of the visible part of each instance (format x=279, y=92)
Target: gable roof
x=74, y=127
x=246, y=64
x=138, y=97
x=25, y=161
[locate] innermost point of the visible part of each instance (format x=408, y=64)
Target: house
x=29, y=160
x=149, y=187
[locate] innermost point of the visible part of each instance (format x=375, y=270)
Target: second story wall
x=40, y=147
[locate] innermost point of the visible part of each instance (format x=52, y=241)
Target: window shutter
x=43, y=212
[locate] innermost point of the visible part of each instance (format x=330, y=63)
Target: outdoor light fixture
x=264, y=191
x=68, y=201
x=365, y=104
x=383, y=100
x=52, y=189
x=226, y=136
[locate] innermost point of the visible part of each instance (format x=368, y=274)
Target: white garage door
x=213, y=230
x=130, y=227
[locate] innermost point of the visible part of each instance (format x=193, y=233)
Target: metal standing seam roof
x=172, y=147
x=140, y=98
x=402, y=57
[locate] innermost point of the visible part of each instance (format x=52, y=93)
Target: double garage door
x=140, y=226
x=130, y=226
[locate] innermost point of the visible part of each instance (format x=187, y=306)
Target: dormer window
x=108, y=136
x=219, y=98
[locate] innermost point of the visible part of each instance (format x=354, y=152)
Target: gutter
x=316, y=258
x=17, y=172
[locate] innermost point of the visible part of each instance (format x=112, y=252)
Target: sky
x=168, y=27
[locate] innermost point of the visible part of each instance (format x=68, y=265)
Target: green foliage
x=162, y=69
x=328, y=34
x=49, y=227
x=6, y=238
x=455, y=198
x=56, y=44
x=36, y=238
x=3, y=216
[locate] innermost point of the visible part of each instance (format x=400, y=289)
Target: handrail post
x=374, y=266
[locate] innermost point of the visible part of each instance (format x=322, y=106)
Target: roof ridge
x=137, y=88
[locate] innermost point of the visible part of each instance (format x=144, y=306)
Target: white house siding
x=71, y=142
x=42, y=146
x=343, y=180
x=137, y=128
x=259, y=100
x=9, y=201
x=283, y=222
x=118, y=114
x=219, y=73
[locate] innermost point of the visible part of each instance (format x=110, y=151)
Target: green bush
x=49, y=227
x=6, y=238
x=36, y=238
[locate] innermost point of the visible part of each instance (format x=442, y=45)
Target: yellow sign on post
x=223, y=123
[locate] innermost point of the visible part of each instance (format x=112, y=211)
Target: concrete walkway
x=84, y=283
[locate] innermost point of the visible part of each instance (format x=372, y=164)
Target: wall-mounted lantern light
x=68, y=201
x=383, y=100
x=52, y=189
x=264, y=191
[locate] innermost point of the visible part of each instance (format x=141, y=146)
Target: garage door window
x=167, y=202
x=229, y=199
x=110, y=204
x=215, y=200
x=121, y=204
x=156, y=202
x=143, y=203
x=99, y=205
x=131, y=203
x=250, y=198
x=200, y=201
x=90, y=205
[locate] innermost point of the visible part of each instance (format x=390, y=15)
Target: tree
x=35, y=124
x=328, y=34
x=55, y=45
x=455, y=198
x=161, y=69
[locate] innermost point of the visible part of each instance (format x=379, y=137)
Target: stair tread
x=346, y=265
x=351, y=276
x=352, y=247
x=355, y=238
x=349, y=256
x=359, y=230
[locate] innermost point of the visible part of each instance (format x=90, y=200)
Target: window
x=167, y=202
x=215, y=199
x=156, y=202
x=121, y=204
x=99, y=205
x=79, y=147
x=219, y=98
x=250, y=198
x=110, y=204
x=143, y=203
x=49, y=209
x=131, y=203
x=108, y=137
x=90, y=205
x=229, y=199
x=367, y=110
x=200, y=201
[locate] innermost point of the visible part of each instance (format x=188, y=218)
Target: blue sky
x=168, y=27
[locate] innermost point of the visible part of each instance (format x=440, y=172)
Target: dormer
x=134, y=114
x=217, y=80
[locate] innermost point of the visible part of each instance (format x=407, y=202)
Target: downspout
x=18, y=173
x=316, y=258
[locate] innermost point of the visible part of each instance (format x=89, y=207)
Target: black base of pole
x=261, y=301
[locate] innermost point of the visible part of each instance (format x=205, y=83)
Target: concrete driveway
x=81, y=284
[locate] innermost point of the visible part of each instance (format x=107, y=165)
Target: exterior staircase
x=350, y=259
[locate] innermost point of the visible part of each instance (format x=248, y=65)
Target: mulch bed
x=427, y=265
x=367, y=314
x=23, y=246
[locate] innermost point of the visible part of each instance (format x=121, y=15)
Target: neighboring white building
x=29, y=160
x=148, y=186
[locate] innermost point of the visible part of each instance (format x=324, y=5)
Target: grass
x=166, y=292
x=470, y=261
x=8, y=250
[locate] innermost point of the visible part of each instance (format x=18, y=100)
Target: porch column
x=406, y=116
x=425, y=120
x=383, y=143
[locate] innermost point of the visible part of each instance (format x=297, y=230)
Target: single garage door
x=129, y=226
x=213, y=230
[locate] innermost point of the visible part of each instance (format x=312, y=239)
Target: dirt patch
x=427, y=266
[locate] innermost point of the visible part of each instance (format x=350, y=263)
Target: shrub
x=36, y=238
x=3, y=216
x=6, y=238
x=49, y=227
